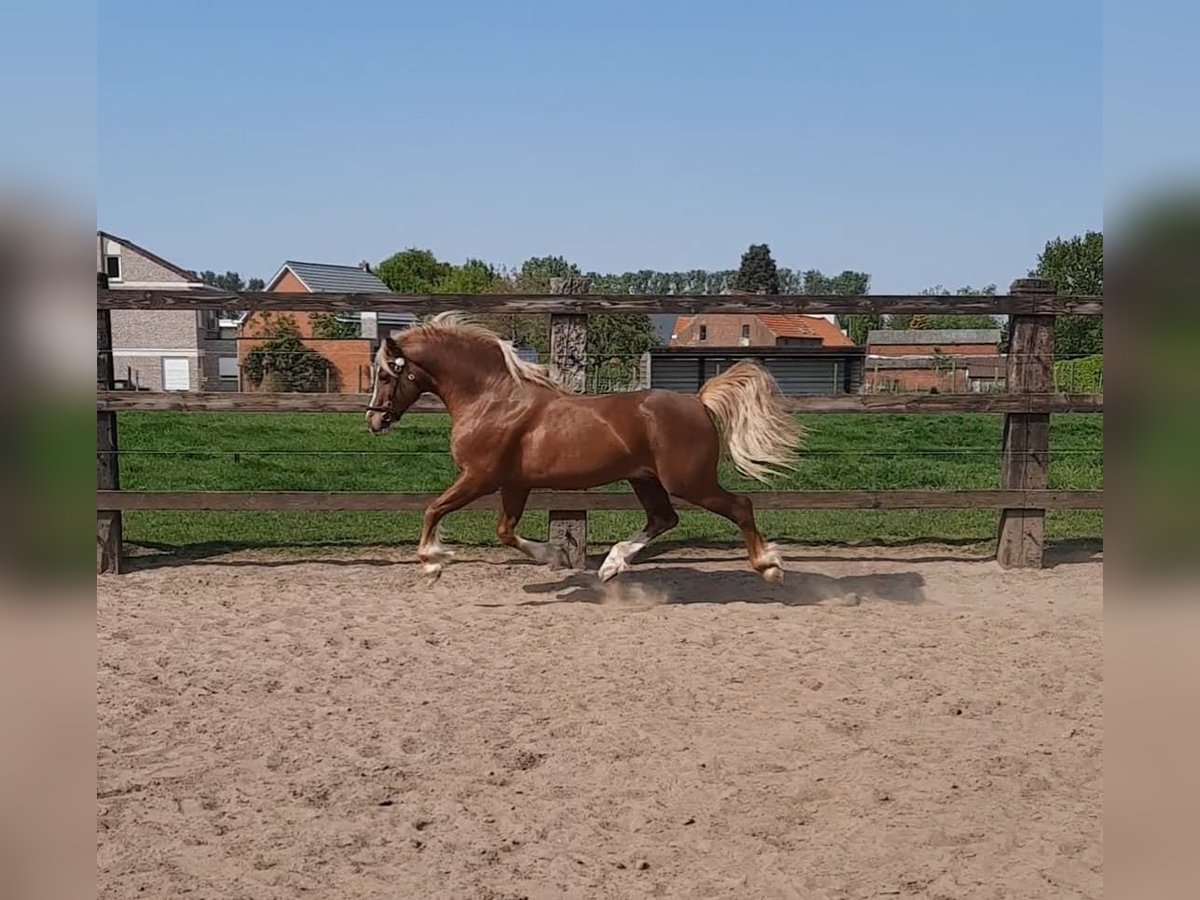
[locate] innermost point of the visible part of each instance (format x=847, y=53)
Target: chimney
x=364, y=265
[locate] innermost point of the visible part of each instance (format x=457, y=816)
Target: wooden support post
x=1026, y=457
x=108, y=522
x=568, y=363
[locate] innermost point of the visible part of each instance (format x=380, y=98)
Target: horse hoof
x=773, y=575
x=608, y=572
x=433, y=571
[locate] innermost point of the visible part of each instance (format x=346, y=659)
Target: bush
x=283, y=362
x=1080, y=376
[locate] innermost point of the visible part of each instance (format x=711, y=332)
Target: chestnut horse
x=514, y=429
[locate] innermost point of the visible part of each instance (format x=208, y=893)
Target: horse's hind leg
x=737, y=508
x=660, y=517
x=512, y=507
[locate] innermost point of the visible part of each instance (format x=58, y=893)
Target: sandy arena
x=908, y=722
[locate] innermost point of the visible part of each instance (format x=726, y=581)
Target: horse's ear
x=390, y=355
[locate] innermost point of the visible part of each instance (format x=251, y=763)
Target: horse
x=515, y=429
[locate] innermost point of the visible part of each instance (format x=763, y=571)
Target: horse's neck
x=458, y=380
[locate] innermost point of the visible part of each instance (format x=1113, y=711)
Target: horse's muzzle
x=380, y=421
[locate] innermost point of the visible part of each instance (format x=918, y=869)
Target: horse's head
x=396, y=384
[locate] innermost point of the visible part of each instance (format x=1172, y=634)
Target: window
x=210, y=322
x=112, y=267
x=704, y=332
x=228, y=367
x=746, y=331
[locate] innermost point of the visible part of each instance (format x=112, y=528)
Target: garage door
x=177, y=375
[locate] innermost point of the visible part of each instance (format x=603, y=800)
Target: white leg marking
x=435, y=556
x=772, y=571
x=619, y=556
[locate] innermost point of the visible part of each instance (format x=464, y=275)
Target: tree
x=283, y=361
x=472, y=277
x=536, y=272
x=615, y=345
x=847, y=284
x=230, y=281
x=1076, y=266
x=758, y=272
x=704, y=281
x=921, y=321
x=529, y=332
x=413, y=271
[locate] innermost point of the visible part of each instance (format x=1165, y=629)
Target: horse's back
x=662, y=425
x=584, y=440
x=646, y=406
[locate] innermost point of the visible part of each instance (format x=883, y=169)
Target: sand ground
x=911, y=722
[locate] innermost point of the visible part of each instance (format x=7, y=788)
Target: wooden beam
x=546, y=304
x=568, y=365
x=229, y=401
x=1026, y=455
x=580, y=501
x=108, y=478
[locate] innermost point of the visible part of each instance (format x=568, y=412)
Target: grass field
x=211, y=451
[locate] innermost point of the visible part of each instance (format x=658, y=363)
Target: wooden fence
x=1023, y=498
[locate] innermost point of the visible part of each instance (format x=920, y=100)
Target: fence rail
x=584, y=501
x=1012, y=304
x=227, y=401
x=1023, y=498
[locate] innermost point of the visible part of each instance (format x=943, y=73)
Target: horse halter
x=398, y=365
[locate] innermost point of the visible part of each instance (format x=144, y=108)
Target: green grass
x=212, y=451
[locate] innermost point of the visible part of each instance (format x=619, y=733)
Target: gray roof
x=935, y=336
x=323, y=277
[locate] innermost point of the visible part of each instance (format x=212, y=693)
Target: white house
x=172, y=350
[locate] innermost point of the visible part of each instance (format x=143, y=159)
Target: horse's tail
x=757, y=431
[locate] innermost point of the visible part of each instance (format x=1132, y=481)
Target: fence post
x=108, y=522
x=568, y=363
x=1026, y=457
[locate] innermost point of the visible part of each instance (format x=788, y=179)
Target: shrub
x=283, y=363
x=1080, y=376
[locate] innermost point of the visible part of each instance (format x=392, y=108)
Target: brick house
x=350, y=358
x=752, y=330
x=950, y=360
x=159, y=349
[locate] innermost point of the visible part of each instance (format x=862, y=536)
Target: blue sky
x=924, y=142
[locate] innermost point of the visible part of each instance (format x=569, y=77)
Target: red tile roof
x=807, y=327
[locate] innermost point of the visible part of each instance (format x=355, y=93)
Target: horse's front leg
x=432, y=554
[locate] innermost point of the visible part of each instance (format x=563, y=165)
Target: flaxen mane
x=456, y=324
